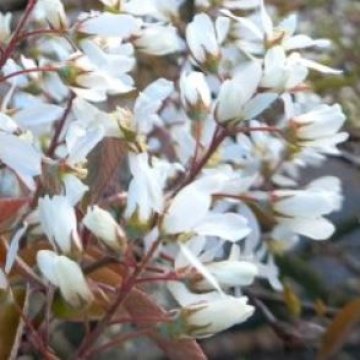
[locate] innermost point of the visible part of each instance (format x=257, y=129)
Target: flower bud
x=102, y=225
x=65, y=274
x=195, y=95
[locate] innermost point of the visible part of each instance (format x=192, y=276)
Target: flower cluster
x=210, y=153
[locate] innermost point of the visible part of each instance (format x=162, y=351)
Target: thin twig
x=59, y=128
x=124, y=291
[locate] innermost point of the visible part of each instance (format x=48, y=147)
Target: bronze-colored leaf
x=336, y=334
x=11, y=323
x=10, y=208
x=104, y=162
x=140, y=306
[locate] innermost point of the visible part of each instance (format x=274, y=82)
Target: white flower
x=51, y=11
x=65, y=274
x=158, y=39
x=58, y=221
x=5, y=26
x=110, y=62
x=237, y=99
x=91, y=82
x=257, y=33
x=319, y=128
x=195, y=94
x=207, y=318
x=204, y=39
x=228, y=274
x=302, y=211
x=80, y=139
x=145, y=194
x=282, y=73
x=284, y=33
x=89, y=116
x=189, y=213
x=103, y=225
x=20, y=156
x=203, y=315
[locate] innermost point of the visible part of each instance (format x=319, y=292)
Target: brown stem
x=29, y=71
x=118, y=341
x=124, y=291
x=219, y=136
x=10, y=48
x=59, y=128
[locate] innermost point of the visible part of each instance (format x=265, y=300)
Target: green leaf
x=338, y=331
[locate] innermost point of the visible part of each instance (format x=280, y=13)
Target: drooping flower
x=302, y=211
x=203, y=315
x=65, y=274
x=58, y=221
x=319, y=128
x=237, y=99
x=145, y=194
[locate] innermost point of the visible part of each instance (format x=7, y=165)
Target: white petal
x=228, y=226
x=258, y=104
x=319, y=67
x=316, y=229
x=107, y=24
x=197, y=264
x=188, y=209
x=14, y=248
x=21, y=157
x=45, y=260
x=40, y=114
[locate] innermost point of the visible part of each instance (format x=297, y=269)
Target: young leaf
x=104, y=162
x=10, y=208
x=140, y=305
x=11, y=324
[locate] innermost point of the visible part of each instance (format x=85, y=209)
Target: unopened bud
x=103, y=225
x=195, y=95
